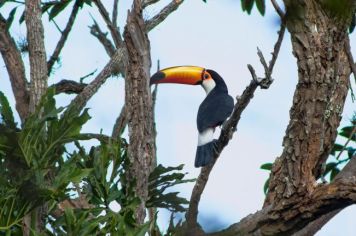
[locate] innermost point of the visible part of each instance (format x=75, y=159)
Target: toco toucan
x=213, y=111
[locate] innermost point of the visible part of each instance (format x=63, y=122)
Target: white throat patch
x=208, y=85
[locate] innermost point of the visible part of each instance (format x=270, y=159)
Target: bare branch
x=69, y=87
x=81, y=99
x=229, y=128
x=113, y=30
x=146, y=3
x=114, y=13
x=163, y=14
x=15, y=68
x=37, y=52
x=350, y=57
x=63, y=38
x=120, y=124
x=278, y=9
x=102, y=37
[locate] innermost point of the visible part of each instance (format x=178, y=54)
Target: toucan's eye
x=206, y=76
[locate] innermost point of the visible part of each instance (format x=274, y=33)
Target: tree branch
x=102, y=37
x=163, y=14
x=113, y=30
x=15, y=68
x=350, y=57
x=81, y=99
x=37, y=52
x=228, y=129
x=120, y=123
x=146, y=3
x=69, y=87
x=322, y=204
x=278, y=9
x=63, y=38
x=114, y=13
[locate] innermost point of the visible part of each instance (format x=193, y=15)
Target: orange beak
x=179, y=75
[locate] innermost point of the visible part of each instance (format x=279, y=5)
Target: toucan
x=213, y=111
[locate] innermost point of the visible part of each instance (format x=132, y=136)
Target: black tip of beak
x=157, y=77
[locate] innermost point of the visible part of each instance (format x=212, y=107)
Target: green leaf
x=58, y=8
x=266, y=166
x=6, y=112
x=265, y=186
x=333, y=173
x=329, y=167
x=10, y=19
x=247, y=5
x=261, y=6
x=336, y=148
x=351, y=152
x=347, y=132
x=353, y=23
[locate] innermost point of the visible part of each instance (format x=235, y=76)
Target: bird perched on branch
x=213, y=111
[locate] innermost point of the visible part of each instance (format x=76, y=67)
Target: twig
x=69, y=87
x=63, y=38
x=351, y=63
x=101, y=36
x=229, y=128
x=120, y=123
x=146, y=3
x=81, y=99
x=113, y=30
x=163, y=14
x=278, y=9
x=114, y=13
x=15, y=68
x=57, y=26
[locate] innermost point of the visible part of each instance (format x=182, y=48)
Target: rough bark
x=37, y=52
x=139, y=104
x=15, y=68
x=38, y=86
x=295, y=199
x=318, y=42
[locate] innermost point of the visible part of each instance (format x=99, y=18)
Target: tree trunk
x=38, y=86
x=138, y=103
x=318, y=44
x=318, y=35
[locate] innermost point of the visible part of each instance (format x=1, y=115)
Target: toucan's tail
x=205, y=154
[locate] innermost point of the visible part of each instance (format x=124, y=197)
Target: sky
x=218, y=36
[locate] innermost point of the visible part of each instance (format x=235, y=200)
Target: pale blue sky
x=219, y=36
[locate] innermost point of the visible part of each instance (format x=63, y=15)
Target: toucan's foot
x=205, y=154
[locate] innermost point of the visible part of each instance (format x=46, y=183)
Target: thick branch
x=69, y=87
x=229, y=128
x=15, y=68
x=37, y=52
x=323, y=81
x=81, y=99
x=63, y=38
x=113, y=30
x=163, y=14
x=293, y=214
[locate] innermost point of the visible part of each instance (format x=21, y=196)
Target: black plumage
x=213, y=111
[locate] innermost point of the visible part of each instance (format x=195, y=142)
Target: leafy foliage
x=36, y=167
x=247, y=6
x=161, y=179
